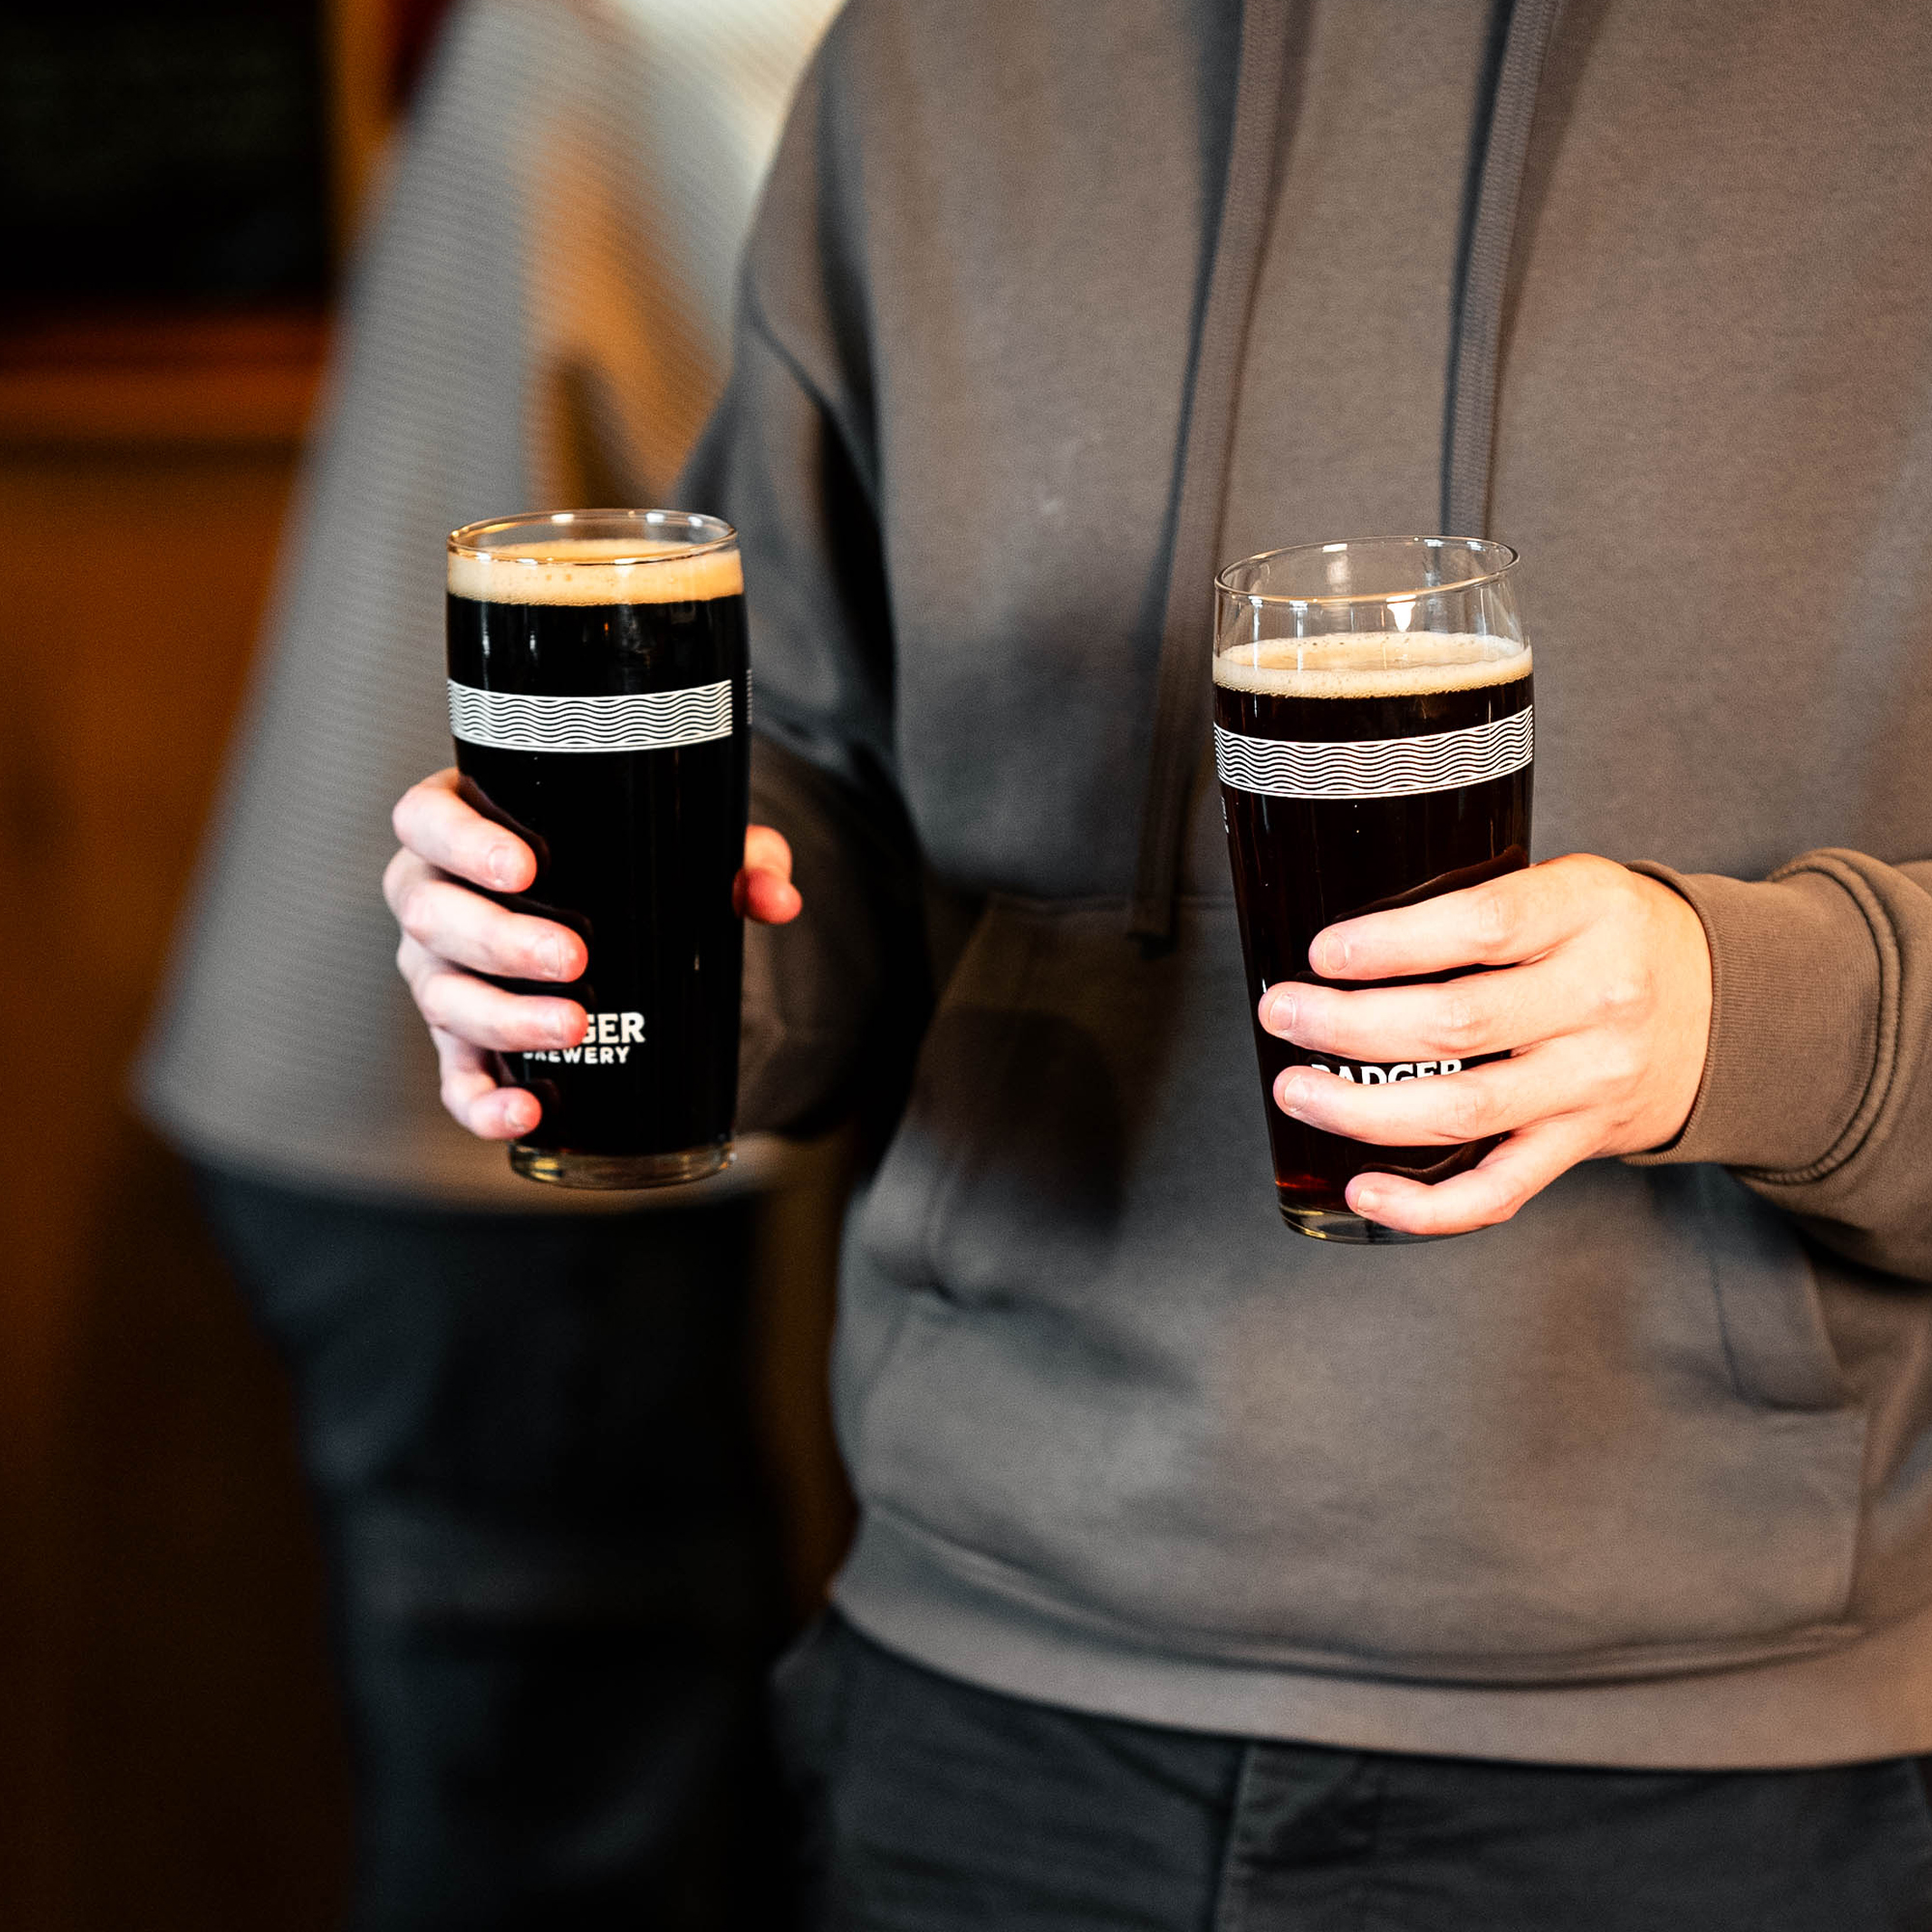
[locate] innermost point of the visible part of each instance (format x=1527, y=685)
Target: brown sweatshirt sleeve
x=1817, y=1087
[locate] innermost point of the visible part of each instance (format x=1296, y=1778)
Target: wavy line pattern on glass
x=1375, y=767
x=654, y=720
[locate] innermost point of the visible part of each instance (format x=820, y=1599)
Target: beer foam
x=1372, y=663
x=595, y=570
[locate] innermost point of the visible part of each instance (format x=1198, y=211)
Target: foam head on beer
x=595, y=570
x=1371, y=665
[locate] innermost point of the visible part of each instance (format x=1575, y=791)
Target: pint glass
x=1374, y=737
x=599, y=699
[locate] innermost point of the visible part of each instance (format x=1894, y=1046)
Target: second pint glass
x=600, y=700
x=1374, y=738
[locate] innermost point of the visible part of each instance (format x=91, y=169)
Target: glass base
x=1331, y=1224
x=564, y=1167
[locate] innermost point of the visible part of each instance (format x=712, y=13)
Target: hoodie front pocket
x=1603, y=1439
x=1014, y=1110
x=1775, y=1342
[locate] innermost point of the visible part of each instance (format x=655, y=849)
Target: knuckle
x=1504, y=1205
x=501, y=952
x=403, y=874
x=767, y=850
x=1628, y=884
x=433, y=998
x=1496, y=916
x=457, y=1103
x=413, y=909
x=1498, y=1202
x=1627, y=894
x=1620, y=1064
x=408, y=808
x=415, y=961
x=1622, y=996
x=1460, y=1023
x=1470, y=1113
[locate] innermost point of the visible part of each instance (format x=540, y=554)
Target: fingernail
x=1294, y=1093
x=1281, y=1013
x=554, y=957
x=502, y=865
x=1366, y=1200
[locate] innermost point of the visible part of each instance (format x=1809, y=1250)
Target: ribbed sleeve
x=1817, y=1086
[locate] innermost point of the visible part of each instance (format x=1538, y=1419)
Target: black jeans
x=933, y=1805
x=556, y=1580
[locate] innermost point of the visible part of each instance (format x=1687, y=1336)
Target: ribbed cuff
x=1795, y=991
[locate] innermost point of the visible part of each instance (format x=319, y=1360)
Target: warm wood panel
x=209, y=382
x=170, y=1756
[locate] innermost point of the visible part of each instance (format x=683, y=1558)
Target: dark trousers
x=556, y=1580
x=933, y=1805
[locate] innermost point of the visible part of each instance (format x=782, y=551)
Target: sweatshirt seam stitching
x=1233, y=1883
x=1380, y=1774
x=760, y=325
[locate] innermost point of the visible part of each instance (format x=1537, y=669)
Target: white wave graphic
x=654, y=720
x=1375, y=767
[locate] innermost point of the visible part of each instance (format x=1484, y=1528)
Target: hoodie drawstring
x=1214, y=386
x=1182, y=696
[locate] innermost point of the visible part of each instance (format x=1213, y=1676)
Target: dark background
x=165, y=151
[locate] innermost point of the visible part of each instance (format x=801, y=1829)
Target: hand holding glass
x=600, y=702
x=1374, y=738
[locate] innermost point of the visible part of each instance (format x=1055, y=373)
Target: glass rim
x=465, y=541
x=1510, y=558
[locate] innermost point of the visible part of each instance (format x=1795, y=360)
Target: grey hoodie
x=1645, y=1476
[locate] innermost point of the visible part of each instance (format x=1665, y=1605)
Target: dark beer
x=1360, y=773
x=601, y=710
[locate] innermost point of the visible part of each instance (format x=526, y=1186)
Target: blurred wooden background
x=170, y=1756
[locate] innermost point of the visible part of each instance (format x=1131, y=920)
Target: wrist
x=1680, y=956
